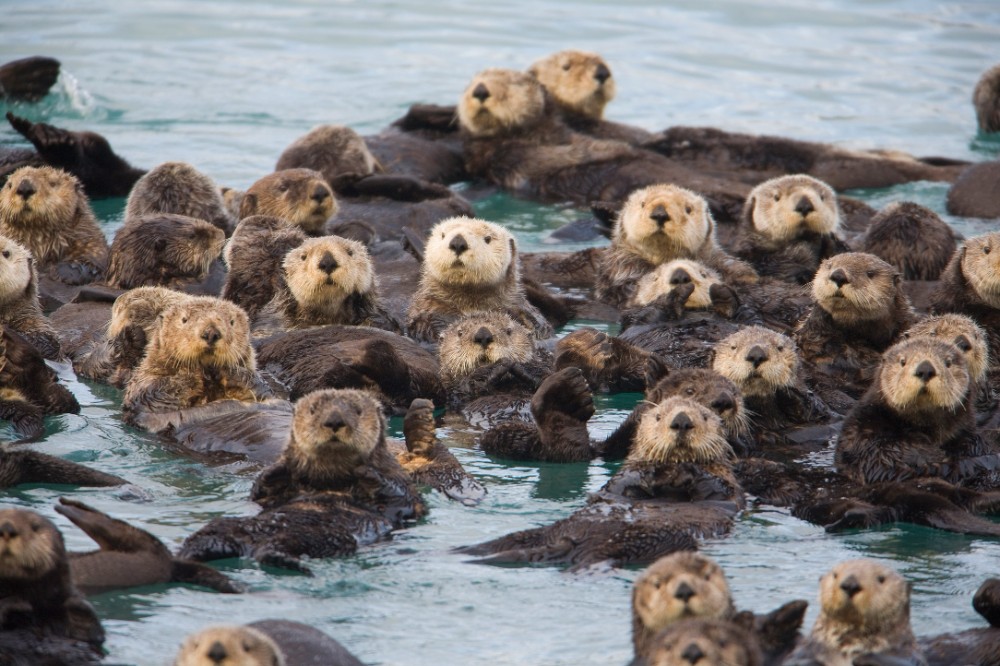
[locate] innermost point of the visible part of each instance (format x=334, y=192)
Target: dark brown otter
x=254, y=255
x=19, y=466
x=299, y=196
x=974, y=193
x=28, y=79
x=986, y=100
x=911, y=238
x=29, y=389
x=177, y=188
x=980, y=645
x=706, y=642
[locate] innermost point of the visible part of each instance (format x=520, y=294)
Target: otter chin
x=855, y=287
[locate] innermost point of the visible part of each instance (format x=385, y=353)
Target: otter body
x=20, y=308
x=29, y=389
x=254, y=255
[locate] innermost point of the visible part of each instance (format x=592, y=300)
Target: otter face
x=207, y=332
x=37, y=197
x=300, y=196
x=790, y=207
x=30, y=545
x=156, y=247
x=667, y=277
x=700, y=642
x=332, y=150
x=923, y=373
x=864, y=594
x=961, y=331
x=229, y=646
x=758, y=360
x=469, y=251
x=499, y=101
x=16, y=270
x=332, y=427
x=323, y=271
x=855, y=287
x=981, y=267
x=680, y=586
x=663, y=222
x=483, y=338
x=680, y=430
x=579, y=81
x=709, y=389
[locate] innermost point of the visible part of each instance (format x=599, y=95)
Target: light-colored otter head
x=229, y=646
x=332, y=150
x=704, y=642
x=498, y=101
x=855, y=287
x=680, y=430
x=664, y=222
x=980, y=257
x=986, y=100
x=202, y=331
x=679, y=586
x=863, y=597
x=786, y=208
x=323, y=272
x=38, y=198
x=482, y=338
x=465, y=251
x=758, y=360
x=30, y=545
x=923, y=374
x=961, y=331
x=142, y=307
x=334, y=430
x=709, y=389
x=300, y=196
x=179, y=189
x=667, y=277
x=578, y=81
x=17, y=271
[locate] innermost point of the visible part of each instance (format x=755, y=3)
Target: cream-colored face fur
x=37, y=197
x=324, y=271
x=714, y=642
x=30, y=545
x=141, y=307
x=229, y=646
x=203, y=331
x=469, y=251
x=499, y=101
x=855, y=287
x=679, y=586
x=482, y=338
x=709, y=389
x=663, y=222
x=758, y=360
x=783, y=208
x=680, y=430
x=961, y=331
x=300, y=196
x=577, y=80
x=981, y=267
x=667, y=277
x=16, y=270
x=864, y=594
x=332, y=425
x=333, y=150
x=923, y=373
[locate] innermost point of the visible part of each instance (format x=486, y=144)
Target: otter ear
x=248, y=206
x=533, y=71
x=897, y=279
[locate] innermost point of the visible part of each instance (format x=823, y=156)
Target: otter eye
x=689, y=391
x=350, y=253
x=781, y=348
x=986, y=249
x=688, y=209
x=902, y=361
x=733, y=347
x=947, y=363
x=303, y=257
x=657, y=417
x=36, y=527
x=6, y=254
x=510, y=331
x=871, y=274
x=708, y=576
x=442, y=234
x=777, y=197
x=566, y=67
x=488, y=239
x=283, y=187
x=657, y=584
x=247, y=647
x=232, y=322
x=881, y=579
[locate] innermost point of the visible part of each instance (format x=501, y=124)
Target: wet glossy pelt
x=226, y=85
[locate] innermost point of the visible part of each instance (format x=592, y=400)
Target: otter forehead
x=683, y=562
x=229, y=646
x=495, y=321
x=497, y=100
x=469, y=250
x=141, y=306
x=30, y=544
x=578, y=80
x=961, y=331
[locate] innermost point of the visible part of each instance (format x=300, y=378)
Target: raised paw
x=565, y=391
x=418, y=426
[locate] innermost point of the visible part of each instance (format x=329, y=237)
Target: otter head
x=159, y=246
x=664, y=222
x=38, y=198
x=229, y=646
x=501, y=101
x=300, y=196
x=680, y=430
x=704, y=642
x=864, y=596
x=142, y=307
x=709, y=389
x=464, y=251
x=333, y=150
x=483, y=338
x=30, y=546
x=17, y=271
x=679, y=586
x=923, y=374
x=961, y=331
x=203, y=331
x=758, y=360
x=323, y=272
x=334, y=430
x=980, y=264
x=667, y=277
x=179, y=189
x=256, y=224
x=787, y=208
x=986, y=100
x=912, y=238
x=578, y=81
x=855, y=287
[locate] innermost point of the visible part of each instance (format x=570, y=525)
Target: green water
x=227, y=85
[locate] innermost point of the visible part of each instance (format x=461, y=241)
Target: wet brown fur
x=177, y=188
x=301, y=197
x=912, y=239
x=163, y=250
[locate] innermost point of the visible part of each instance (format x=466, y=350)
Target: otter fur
x=986, y=100
x=254, y=255
x=974, y=193
x=29, y=389
x=224, y=644
x=301, y=197
x=706, y=642
x=912, y=239
x=20, y=308
x=177, y=188
x=334, y=151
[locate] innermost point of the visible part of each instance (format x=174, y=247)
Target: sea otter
x=911, y=238
x=254, y=255
x=20, y=308
x=29, y=389
x=301, y=197
x=177, y=188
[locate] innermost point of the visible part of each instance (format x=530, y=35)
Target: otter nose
x=481, y=92
x=680, y=276
x=25, y=189
x=963, y=343
x=217, y=653
x=320, y=194
x=756, y=355
x=722, y=403
x=7, y=530
x=692, y=654
x=840, y=277
x=602, y=73
x=684, y=592
x=851, y=586
x=483, y=337
x=925, y=372
x=804, y=206
x=211, y=335
x=335, y=420
x=682, y=422
x=659, y=215
x=458, y=245
x=327, y=263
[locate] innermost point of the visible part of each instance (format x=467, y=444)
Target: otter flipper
x=28, y=79
x=195, y=573
x=432, y=117
x=34, y=467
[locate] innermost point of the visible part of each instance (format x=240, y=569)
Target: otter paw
x=565, y=392
x=725, y=302
x=418, y=425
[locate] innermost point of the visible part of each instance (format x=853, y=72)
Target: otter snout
x=723, y=403
x=692, y=654
x=684, y=592
x=8, y=531
x=25, y=188
x=757, y=356
x=850, y=586
x=211, y=335
x=481, y=92
x=680, y=276
x=804, y=206
x=458, y=245
x=602, y=74
x=925, y=372
x=337, y=420
x=682, y=423
x=483, y=337
x=217, y=652
x=659, y=215
x=839, y=277
x=320, y=194
x=327, y=263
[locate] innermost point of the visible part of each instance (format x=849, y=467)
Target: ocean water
x=227, y=85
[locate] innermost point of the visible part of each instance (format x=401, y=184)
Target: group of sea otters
x=767, y=319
